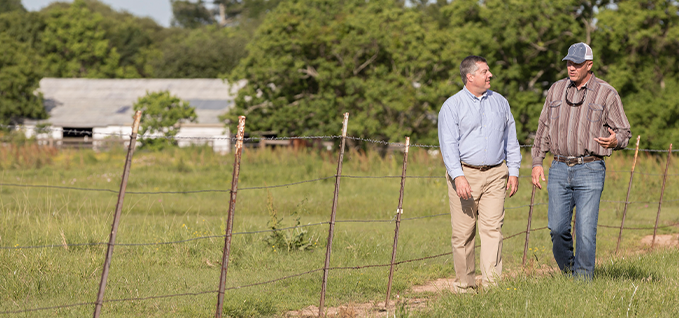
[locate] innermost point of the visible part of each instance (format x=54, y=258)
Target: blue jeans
x=568, y=187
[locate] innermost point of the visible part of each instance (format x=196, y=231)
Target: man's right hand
x=464, y=191
x=537, y=174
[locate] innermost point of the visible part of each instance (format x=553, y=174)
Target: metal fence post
x=332, y=214
x=662, y=192
x=629, y=188
x=399, y=211
x=229, y=220
x=530, y=218
x=116, y=216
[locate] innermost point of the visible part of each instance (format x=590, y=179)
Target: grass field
x=44, y=277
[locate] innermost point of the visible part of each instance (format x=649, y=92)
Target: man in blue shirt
x=477, y=134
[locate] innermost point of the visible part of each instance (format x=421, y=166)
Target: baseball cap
x=579, y=53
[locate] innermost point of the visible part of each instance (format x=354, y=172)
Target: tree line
x=391, y=64
x=89, y=39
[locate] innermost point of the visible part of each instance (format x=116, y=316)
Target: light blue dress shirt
x=478, y=131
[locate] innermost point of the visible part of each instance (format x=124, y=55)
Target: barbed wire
x=17, y=247
x=45, y=308
x=638, y=228
x=278, y=279
x=157, y=136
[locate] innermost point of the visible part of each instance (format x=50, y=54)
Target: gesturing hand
x=608, y=142
x=462, y=187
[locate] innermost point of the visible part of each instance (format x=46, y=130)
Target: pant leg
x=588, y=184
x=491, y=214
x=463, y=215
x=559, y=215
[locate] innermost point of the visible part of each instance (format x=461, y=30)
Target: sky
x=159, y=10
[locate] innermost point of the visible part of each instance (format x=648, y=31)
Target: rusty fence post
x=229, y=220
x=629, y=188
x=399, y=211
x=332, y=214
x=662, y=192
x=530, y=219
x=116, y=216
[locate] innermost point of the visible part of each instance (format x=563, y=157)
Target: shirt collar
x=474, y=97
x=587, y=85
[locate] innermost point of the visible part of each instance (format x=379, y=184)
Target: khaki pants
x=487, y=205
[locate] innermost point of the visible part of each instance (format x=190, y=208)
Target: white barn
x=103, y=107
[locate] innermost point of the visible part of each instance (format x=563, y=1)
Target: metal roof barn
x=104, y=106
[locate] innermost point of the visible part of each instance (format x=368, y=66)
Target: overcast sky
x=159, y=10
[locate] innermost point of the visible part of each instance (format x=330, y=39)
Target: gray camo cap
x=579, y=53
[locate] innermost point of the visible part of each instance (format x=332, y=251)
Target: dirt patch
x=377, y=309
x=665, y=240
x=360, y=310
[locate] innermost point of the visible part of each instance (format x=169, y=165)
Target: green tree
x=188, y=14
x=20, y=74
x=11, y=5
x=162, y=114
x=74, y=45
x=199, y=53
x=524, y=41
x=637, y=43
x=312, y=60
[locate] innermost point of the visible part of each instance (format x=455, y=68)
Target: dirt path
x=410, y=300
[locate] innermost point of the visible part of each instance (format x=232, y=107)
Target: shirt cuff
x=619, y=139
x=456, y=173
x=537, y=162
x=514, y=172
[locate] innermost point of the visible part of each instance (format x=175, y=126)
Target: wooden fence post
x=530, y=218
x=116, y=216
x=662, y=192
x=629, y=188
x=332, y=214
x=229, y=220
x=399, y=211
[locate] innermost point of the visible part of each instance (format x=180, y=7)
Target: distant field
x=43, y=277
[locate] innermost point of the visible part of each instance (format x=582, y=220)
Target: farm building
x=92, y=112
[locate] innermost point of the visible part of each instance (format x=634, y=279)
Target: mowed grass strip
x=43, y=277
x=633, y=286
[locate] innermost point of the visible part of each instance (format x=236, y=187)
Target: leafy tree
x=524, y=42
x=134, y=38
x=20, y=73
x=199, y=53
x=25, y=27
x=190, y=15
x=11, y=5
x=162, y=114
x=312, y=60
x=74, y=45
x=638, y=45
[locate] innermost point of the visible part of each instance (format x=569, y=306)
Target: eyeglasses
x=584, y=95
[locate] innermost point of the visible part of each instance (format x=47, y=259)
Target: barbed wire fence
x=239, y=140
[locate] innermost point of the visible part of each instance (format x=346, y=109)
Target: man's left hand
x=608, y=142
x=513, y=183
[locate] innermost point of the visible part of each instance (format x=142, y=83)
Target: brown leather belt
x=481, y=168
x=572, y=161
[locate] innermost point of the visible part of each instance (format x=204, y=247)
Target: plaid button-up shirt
x=572, y=118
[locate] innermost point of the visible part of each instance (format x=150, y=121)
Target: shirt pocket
x=554, y=109
x=498, y=120
x=595, y=112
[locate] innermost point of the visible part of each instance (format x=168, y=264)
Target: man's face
x=578, y=72
x=480, y=80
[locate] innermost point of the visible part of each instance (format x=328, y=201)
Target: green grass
x=634, y=286
x=44, y=277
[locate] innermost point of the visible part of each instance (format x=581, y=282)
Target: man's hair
x=468, y=66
